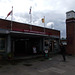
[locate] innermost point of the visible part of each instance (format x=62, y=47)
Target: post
x=44, y=45
x=8, y=44
x=44, y=24
x=11, y=17
x=30, y=18
x=43, y=21
x=30, y=22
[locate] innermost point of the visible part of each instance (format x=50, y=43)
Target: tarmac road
x=41, y=66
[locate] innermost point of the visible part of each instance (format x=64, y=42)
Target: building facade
x=17, y=39
x=70, y=31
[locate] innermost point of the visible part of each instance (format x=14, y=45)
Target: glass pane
x=2, y=44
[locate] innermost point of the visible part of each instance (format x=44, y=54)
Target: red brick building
x=19, y=38
x=70, y=30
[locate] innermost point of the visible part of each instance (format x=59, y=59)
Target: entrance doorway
x=21, y=47
x=24, y=47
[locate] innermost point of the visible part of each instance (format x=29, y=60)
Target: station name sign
x=32, y=31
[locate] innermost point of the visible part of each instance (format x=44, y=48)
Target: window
x=2, y=44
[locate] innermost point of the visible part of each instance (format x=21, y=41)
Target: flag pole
x=43, y=21
x=30, y=14
x=44, y=24
x=30, y=17
x=11, y=17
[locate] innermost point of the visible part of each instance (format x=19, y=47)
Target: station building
x=18, y=39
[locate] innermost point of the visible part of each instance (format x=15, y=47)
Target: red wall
x=70, y=30
x=16, y=26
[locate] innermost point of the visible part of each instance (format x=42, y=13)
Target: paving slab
x=41, y=66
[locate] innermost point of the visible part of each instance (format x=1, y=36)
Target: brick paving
x=41, y=66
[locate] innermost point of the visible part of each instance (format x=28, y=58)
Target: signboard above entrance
x=31, y=31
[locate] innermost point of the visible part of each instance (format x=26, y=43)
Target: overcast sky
x=53, y=10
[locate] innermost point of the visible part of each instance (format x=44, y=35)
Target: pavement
x=40, y=66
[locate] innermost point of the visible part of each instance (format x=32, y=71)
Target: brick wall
x=16, y=26
x=70, y=30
